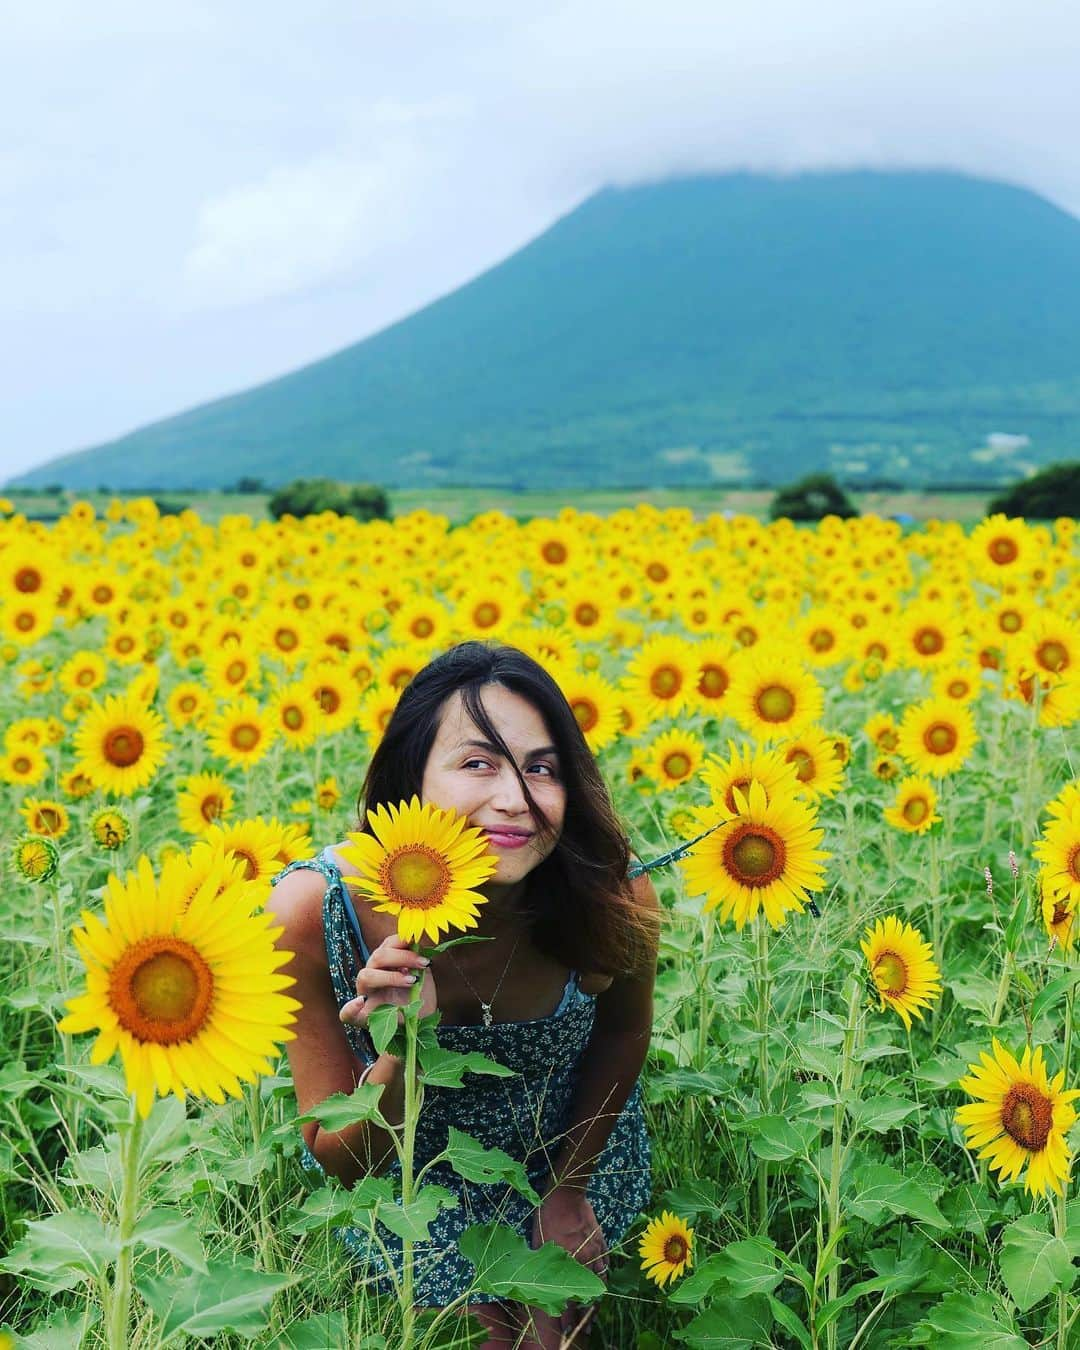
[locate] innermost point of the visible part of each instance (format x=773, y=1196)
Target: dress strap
x=346, y=951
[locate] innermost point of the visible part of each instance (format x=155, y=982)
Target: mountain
x=919, y=326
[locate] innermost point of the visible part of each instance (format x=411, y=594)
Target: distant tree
x=247, y=485
x=310, y=496
x=1052, y=492
x=812, y=498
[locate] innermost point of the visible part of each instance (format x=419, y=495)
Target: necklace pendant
x=488, y=1019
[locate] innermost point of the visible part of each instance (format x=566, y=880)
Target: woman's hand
x=565, y=1216
x=391, y=971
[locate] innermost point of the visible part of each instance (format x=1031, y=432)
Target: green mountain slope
x=729, y=327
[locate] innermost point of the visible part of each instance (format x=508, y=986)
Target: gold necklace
x=486, y=1007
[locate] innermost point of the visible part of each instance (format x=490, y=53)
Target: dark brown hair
x=581, y=906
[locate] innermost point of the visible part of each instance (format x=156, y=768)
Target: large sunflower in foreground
x=766, y=858
x=421, y=863
x=666, y=1248
x=186, y=988
x=1020, y=1116
x=121, y=744
x=902, y=967
x=1059, y=853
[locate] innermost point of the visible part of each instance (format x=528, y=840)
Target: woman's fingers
x=391, y=971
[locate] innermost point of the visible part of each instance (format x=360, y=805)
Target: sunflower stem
x=1058, y=1211
x=408, y=1185
x=120, y=1294
x=847, y=1074
x=762, y=1016
x=704, y=1021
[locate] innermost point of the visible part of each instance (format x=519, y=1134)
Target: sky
x=197, y=197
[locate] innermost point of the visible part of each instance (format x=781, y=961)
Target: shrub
x=1053, y=491
x=812, y=498
x=310, y=496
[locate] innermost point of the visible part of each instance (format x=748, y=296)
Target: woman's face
x=466, y=772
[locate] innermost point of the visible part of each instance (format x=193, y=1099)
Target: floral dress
x=525, y=1116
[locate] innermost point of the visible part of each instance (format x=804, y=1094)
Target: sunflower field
x=858, y=746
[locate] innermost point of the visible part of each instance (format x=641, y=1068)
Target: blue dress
x=525, y=1116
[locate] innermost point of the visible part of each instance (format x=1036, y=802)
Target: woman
x=561, y=993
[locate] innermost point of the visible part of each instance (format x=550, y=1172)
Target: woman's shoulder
x=296, y=902
x=594, y=984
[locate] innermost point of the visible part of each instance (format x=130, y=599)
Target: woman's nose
x=508, y=795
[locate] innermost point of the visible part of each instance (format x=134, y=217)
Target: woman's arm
x=320, y=1058
x=610, y=1065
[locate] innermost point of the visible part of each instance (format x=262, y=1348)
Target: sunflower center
x=415, y=877
x=586, y=615
x=888, y=739
x=1003, y=550
x=876, y=649
x=160, y=990
x=27, y=580
x=890, y=974
x=1009, y=621
x=958, y=688
x=251, y=864
x=775, y=703
x=822, y=639
x=915, y=811
x=713, y=682
x=292, y=717
x=286, y=640
x=235, y=671
x=85, y=677
x=754, y=855
x=675, y=1250
x=929, y=641
x=1072, y=865
x=677, y=764
x=187, y=703
x=244, y=736
x=554, y=552
x=940, y=738
x=422, y=627
x=746, y=635
x=657, y=571
x=486, y=614
x=210, y=807
x=665, y=681
x=123, y=746
x=1061, y=913
x=586, y=713
x=25, y=621
x=48, y=819
x=328, y=698
x=1052, y=656
x=1026, y=1116
x=804, y=771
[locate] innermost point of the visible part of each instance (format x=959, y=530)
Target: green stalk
x=762, y=1017
x=120, y=1295
x=704, y=1018
x=847, y=1074
x=408, y=1185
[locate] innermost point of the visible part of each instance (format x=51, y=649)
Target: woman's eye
x=476, y=764
x=547, y=769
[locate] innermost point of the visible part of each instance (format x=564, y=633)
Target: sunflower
x=23, y=765
x=674, y=758
x=820, y=639
x=203, y=799
x=772, y=695
x=1000, y=547
x=764, y=859
x=886, y=767
x=282, y=636
x=712, y=679
x=914, y=809
x=327, y=794
x=187, y=989
x=333, y=695
x=26, y=619
x=109, y=828
x=242, y=732
x=883, y=732
x=76, y=784
x=936, y=736
x=84, y=671
x=595, y=705
x=817, y=768
x=902, y=967
x=930, y=635
x=666, y=1248
x=188, y=704
x=233, y=669
x=254, y=843
x=421, y=863
x=1020, y=1116
x=294, y=715
x=1051, y=645
x=34, y=857
x=743, y=764
x=959, y=683
x=46, y=816
x=661, y=677
x=121, y=745
x=376, y=709
x=1059, y=852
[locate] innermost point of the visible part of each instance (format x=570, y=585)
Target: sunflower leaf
x=777, y=1139
x=413, y=1220
x=342, y=1109
x=1033, y=1261
x=429, y=952
x=444, y=1068
x=169, y=1231
x=733, y=1325
x=230, y=1297
x=62, y=1251
x=876, y=1190
x=1052, y=992
x=968, y=1322
x=471, y=1160
x=881, y=1114
x=547, y=1277
x=381, y=1024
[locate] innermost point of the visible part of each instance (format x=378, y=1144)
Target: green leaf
x=692, y=1288
x=750, y=1266
x=462, y=941
x=343, y=1109
x=968, y=1322
x=471, y=1160
x=333, y=1206
x=444, y=1068
x=507, y=1267
x=1017, y=923
x=62, y=1331
x=970, y=1209
x=974, y=991
x=1033, y=1261
x=229, y=1297
x=382, y=1023
x=63, y=1250
x=790, y=1322
x=689, y=1083
x=1051, y=992
x=876, y=1190
x=414, y=1219
x=168, y=1230
x=325, y=1331
x=99, y=1168
x=881, y=1114
x=777, y=1139
x=730, y=1326
x=166, y=1134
